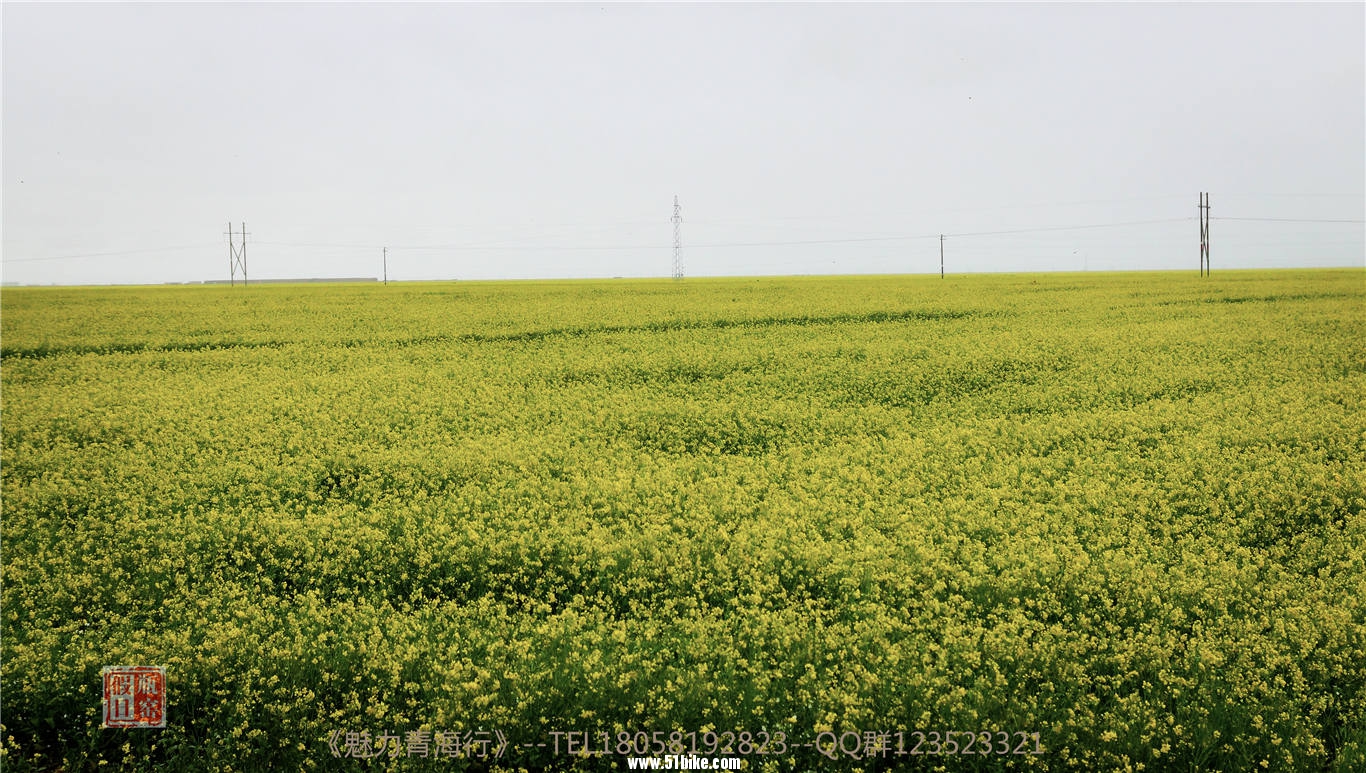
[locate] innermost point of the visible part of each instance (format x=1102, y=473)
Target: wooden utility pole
x=386, y=266
x=941, y=256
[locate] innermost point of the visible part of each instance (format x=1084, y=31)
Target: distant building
x=294, y=281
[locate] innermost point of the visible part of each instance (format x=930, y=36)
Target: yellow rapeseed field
x=1045, y=522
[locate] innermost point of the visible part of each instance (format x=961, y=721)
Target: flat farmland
x=991, y=522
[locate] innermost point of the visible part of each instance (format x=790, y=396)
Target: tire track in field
x=44, y=351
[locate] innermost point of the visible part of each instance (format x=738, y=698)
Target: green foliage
x=1124, y=511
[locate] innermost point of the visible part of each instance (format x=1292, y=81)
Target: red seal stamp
x=134, y=696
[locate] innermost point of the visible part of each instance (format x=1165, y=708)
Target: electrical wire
x=321, y=245
x=1285, y=220
x=1071, y=227
x=513, y=246
x=869, y=214
x=814, y=241
x=106, y=254
x=1302, y=195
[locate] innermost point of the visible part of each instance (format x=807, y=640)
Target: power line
x=1073, y=227
x=504, y=246
x=771, y=243
x=108, y=254
x=530, y=248
x=512, y=246
x=322, y=245
x=866, y=214
x=493, y=246
x=1285, y=220
x=819, y=241
x=1302, y=195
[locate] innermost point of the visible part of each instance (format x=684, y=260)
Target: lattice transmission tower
x=678, y=239
x=237, y=256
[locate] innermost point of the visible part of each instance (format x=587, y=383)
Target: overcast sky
x=489, y=141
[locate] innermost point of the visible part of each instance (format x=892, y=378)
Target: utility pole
x=678, y=239
x=941, y=256
x=1204, y=234
x=237, y=256
x=386, y=266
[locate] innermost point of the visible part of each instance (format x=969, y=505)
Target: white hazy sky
x=489, y=141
